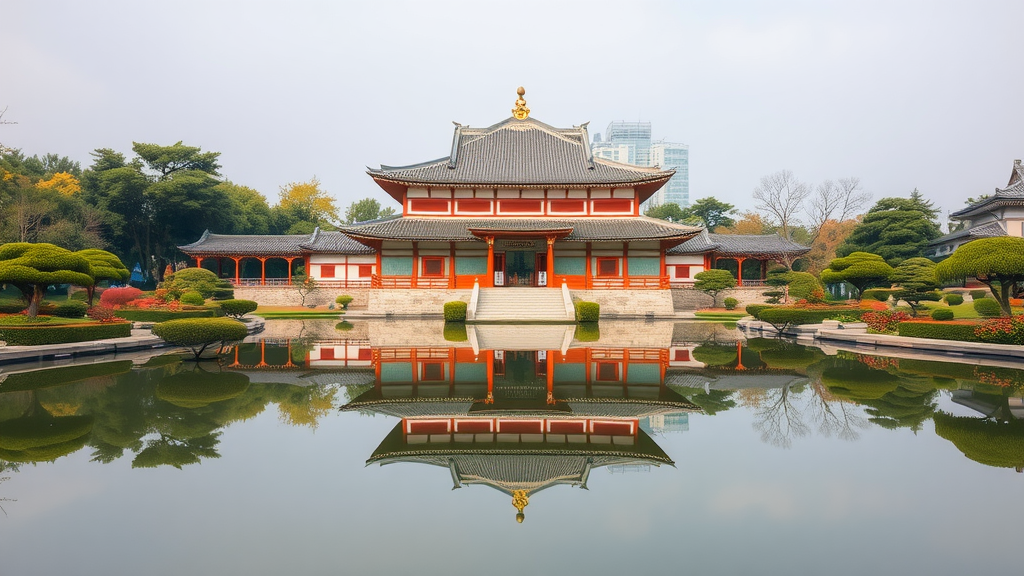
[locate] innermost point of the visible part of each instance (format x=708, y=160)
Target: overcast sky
x=901, y=94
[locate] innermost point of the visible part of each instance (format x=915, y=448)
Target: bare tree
x=834, y=416
x=778, y=419
x=781, y=196
x=837, y=200
x=5, y=149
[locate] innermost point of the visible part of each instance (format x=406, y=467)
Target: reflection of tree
x=715, y=354
x=305, y=406
x=711, y=401
x=40, y=437
x=833, y=416
x=778, y=419
x=993, y=443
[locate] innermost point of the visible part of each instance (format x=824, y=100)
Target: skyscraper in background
x=630, y=142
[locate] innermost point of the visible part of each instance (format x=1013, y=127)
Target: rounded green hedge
x=978, y=294
x=954, y=299
x=346, y=326
x=880, y=294
x=802, y=284
x=237, y=308
x=455, y=311
x=63, y=333
x=154, y=315
x=755, y=309
x=587, y=311
x=942, y=314
x=730, y=303
x=71, y=309
x=197, y=334
x=344, y=300
x=192, y=298
x=964, y=332
x=987, y=307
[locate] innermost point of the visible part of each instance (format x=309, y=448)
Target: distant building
x=630, y=142
x=998, y=214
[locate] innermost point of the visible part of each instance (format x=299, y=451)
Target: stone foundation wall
x=413, y=302
x=692, y=299
x=628, y=302
x=289, y=296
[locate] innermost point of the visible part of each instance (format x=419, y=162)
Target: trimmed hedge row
x=942, y=314
x=151, y=315
x=587, y=311
x=755, y=309
x=987, y=307
x=964, y=332
x=795, y=316
x=63, y=334
x=70, y=309
x=455, y=311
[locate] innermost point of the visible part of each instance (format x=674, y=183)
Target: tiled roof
x=986, y=230
x=518, y=153
x=246, y=244
x=335, y=243
x=582, y=229
x=738, y=244
x=274, y=245
x=1012, y=195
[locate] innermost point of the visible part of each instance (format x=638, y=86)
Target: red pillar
x=551, y=377
x=739, y=270
x=625, y=264
x=290, y=260
x=489, y=358
x=238, y=269
x=587, y=272
x=451, y=266
x=415, y=264
x=490, y=262
x=663, y=282
x=263, y=271
x=199, y=262
x=551, y=262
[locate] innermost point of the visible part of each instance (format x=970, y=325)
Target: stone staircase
x=511, y=305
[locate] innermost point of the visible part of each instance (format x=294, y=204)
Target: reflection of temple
x=520, y=421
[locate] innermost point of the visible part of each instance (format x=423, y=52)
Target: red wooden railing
x=407, y=282
x=279, y=282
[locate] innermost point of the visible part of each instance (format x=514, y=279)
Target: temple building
x=516, y=204
x=998, y=214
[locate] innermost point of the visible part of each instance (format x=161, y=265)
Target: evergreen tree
x=895, y=229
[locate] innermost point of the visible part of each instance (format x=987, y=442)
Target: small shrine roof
x=514, y=153
x=738, y=244
x=582, y=229
x=335, y=243
x=246, y=244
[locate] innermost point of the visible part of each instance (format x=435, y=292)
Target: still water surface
x=712, y=457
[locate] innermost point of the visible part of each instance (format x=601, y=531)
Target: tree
x=304, y=205
x=782, y=195
x=365, y=210
x=711, y=282
x=996, y=262
x=750, y=223
x=104, y=266
x=198, y=334
x=830, y=235
x=166, y=160
x=713, y=213
x=306, y=286
x=917, y=278
x=834, y=201
x=32, y=268
x=668, y=211
x=895, y=229
x=861, y=269
x=250, y=212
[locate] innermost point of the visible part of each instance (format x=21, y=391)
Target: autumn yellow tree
x=823, y=249
x=751, y=223
x=64, y=183
x=305, y=205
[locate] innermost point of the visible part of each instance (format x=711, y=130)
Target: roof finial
x=520, y=112
x=520, y=499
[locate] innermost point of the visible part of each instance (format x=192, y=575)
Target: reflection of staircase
x=521, y=305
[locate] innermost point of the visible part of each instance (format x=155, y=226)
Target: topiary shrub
x=71, y=309
x=344, y=300
x=987, y=307
x=978, y=294
x=861, y=269
x=237, y=308
x=781, y=317
x=156, y=315
x=114, y=297
x=711, y=282
x=803, y=284
x=942, y=314
x=588, y=332
x=954, y=299
x=880, y=294
x=455, y=332
x=199, y=279
x=346, y=326
x=223, y=290
x=455, y=311
x=755, y=309
x=198, y=334
x=730, y=303
x=587, y=311
x=192, y=298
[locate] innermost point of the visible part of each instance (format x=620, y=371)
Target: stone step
x=520, y=304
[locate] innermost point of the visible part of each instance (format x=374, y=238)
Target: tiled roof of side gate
x=582, y=229
x=986, y=230
x=739, y=244
x=274, y=245
x=246, y=244
x=517, y=153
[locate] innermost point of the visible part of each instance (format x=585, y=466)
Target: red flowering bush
x=102, y=314
x=114, y=297
x=886, y=321
x=817, y=296
x=873, y=305
x=145, y=303
x=1001, y=330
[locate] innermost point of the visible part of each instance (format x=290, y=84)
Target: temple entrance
x=520, y=263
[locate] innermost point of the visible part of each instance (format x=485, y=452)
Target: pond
x=386, y=448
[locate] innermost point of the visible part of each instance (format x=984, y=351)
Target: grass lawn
x=20, y=320
x=295, y=313
x=719, y=315
x=963, y=311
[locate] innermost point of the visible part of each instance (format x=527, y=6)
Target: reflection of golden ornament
x=520, y=112
x=520, y=499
